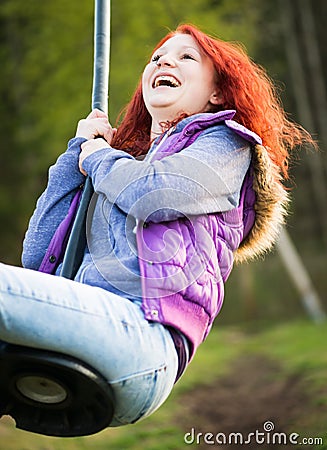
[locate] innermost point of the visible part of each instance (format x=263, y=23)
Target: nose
x=166, y=60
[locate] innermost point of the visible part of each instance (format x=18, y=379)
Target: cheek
x=143, y=82
x=146, y=75
x=144, y=89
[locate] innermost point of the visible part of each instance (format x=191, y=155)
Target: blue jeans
x=137, y=357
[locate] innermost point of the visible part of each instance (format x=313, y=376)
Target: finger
x=96, y=113
x=103, y=129
x=82, y=170
x=109, y=134
x=80, y=161
x=94, y=127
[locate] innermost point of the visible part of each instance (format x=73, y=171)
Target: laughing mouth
x=166, y=80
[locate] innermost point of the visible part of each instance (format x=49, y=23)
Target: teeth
x=166, y=80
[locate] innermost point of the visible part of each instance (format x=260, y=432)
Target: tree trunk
x=300, y=277
x=297, y=72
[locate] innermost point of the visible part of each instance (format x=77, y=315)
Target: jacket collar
x=198, y=122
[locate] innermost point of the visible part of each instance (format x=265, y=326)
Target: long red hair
x=245, y=87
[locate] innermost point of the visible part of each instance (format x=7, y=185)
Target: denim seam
x=50, y=301
x=163, y=366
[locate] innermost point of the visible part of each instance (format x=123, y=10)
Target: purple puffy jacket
x=184, y=263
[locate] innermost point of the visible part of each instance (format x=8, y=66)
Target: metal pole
x=300, y=277
x=77, y=240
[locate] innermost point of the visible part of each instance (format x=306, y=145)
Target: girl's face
x=180, y=78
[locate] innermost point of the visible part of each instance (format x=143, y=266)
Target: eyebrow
x=183, y=48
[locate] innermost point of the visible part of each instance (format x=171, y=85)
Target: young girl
x=189, y=182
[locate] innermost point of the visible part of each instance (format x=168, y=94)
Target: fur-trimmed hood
x=270, y=207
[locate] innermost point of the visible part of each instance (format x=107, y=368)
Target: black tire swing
x=47, y=392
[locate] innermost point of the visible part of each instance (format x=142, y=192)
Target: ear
x=216, y=98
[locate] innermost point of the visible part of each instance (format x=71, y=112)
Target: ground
x=254, y=395
x=238, y=382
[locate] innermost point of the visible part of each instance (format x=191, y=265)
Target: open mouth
x=166, y=80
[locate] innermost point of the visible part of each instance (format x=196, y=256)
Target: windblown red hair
x=245, y=87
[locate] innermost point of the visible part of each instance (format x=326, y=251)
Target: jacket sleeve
x=52, y=206
x=205, y=177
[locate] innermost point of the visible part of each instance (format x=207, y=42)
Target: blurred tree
x=303, y=58
x=44, y=81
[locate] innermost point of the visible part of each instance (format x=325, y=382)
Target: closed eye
x=188, y=56
x=155, y=58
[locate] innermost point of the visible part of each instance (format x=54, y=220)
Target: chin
x=163, y=110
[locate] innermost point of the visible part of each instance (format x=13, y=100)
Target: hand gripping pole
x=77, y=240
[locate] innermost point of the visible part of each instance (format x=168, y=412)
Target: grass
x=298, y=347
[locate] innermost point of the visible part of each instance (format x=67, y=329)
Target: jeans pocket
x=140, y=395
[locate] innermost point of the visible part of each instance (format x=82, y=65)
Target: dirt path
x=255, y=396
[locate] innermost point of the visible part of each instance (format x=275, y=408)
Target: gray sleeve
x=53, y=204
x=206, y=177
